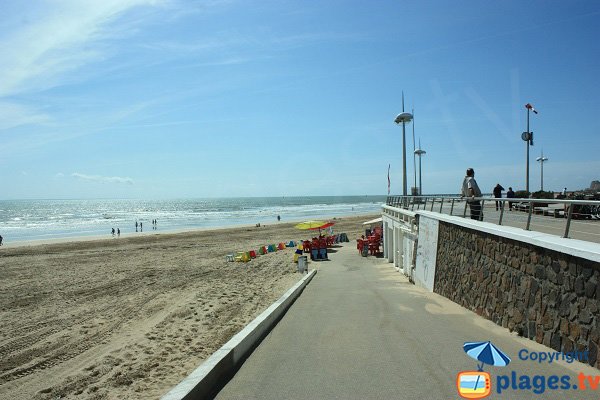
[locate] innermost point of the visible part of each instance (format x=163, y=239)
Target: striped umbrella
x=486, y=353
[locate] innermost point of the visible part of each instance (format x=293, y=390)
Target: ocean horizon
x=31, y=220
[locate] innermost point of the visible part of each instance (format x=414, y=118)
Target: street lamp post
x=420, y=152
x=403, y=118
x=541, y=160
x=528, y=138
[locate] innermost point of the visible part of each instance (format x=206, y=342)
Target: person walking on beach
x=498, y=194
x=0, y=240
x=471, y=190
x=113, y=232
x=141, y=228
x=136, y=225
x=510, y=195
x=118, y=232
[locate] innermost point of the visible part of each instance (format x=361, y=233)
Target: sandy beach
x=130, y=317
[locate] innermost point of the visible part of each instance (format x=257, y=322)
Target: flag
x=530, y=107
x=389, y=165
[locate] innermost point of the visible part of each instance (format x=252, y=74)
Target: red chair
x=252, y=254
x=306, y=246
x=374, y=242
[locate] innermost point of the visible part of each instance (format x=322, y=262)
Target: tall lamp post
x=541, y=160
x=403, y=118
x=420, y=152
x=528, y=138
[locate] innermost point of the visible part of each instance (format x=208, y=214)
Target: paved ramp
x=360, y=330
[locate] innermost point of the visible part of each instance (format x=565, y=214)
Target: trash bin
x=302, y=264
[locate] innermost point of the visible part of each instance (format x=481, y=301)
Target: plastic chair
x=306, y=246
x=252, y=254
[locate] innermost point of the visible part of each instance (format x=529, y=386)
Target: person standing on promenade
x=471, y=190
x=510, y=195
x=498, y=194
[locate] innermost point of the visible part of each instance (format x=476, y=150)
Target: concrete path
x=360, y=330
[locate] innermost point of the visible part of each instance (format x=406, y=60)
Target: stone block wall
x=547, y=296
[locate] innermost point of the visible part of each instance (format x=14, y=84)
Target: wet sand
x=130, y=317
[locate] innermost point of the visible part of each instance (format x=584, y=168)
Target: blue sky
x=170, y=99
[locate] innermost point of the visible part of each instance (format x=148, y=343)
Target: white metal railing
x=570, y=208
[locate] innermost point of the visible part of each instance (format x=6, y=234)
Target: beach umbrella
x=486, y=353
x=314, y=225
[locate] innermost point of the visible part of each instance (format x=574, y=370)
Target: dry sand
x=129, y=318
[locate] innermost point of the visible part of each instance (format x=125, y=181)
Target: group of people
x=471, y=191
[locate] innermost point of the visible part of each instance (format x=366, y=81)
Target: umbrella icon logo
x=477, y=384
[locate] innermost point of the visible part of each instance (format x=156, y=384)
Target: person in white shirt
x=471, y=190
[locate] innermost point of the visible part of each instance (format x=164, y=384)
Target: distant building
x=595, y=186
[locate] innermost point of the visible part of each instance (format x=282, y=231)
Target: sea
x=30, y=220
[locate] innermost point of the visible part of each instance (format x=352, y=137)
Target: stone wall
x=547, y=296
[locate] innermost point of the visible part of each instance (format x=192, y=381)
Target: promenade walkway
x=360, y=330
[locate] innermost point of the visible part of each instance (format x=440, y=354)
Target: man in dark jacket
x=498, y=194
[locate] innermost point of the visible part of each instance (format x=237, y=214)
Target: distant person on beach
x=278, y=218
x=136, y=226
x=113, y=231
x=498, y=194
x=119, y=232
x=141, y=227
x=510, y=195
x=471, y=190
x=565, y=192
x=0, y=240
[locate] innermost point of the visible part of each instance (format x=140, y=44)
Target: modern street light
x=420, y=152
x=403, y=118
x=528, y=138
x=541, y=160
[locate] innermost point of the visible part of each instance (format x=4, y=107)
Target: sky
x=225, y=98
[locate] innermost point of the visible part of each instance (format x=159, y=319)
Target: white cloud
x=102, y=179
x=59, y=175
x=13, y=115
x=55, y=39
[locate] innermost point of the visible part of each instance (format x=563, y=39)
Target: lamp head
x=403, y=117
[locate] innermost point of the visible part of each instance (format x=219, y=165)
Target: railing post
x=452, y=207
x=568, y=221
x=501, y=212
x=481, y=211
x=432, y=203
x=425, y=203
x=465, y=210
x=441, y=204
x=529, y=216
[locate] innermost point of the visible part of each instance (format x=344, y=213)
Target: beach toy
x=252, y=254
x=271, y=248
x=229, y=257
x=291, y=244
x=262, y=250
x=281, y=246
x=298, y=253
x=242, y=256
